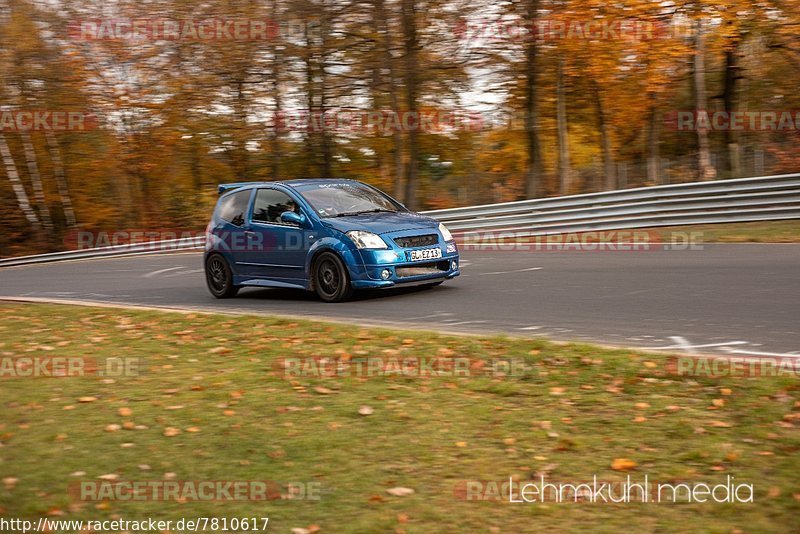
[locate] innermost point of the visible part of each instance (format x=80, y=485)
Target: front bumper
x=403, y=272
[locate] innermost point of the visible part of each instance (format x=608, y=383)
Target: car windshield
x=342, y=199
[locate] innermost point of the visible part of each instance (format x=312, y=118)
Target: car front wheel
x=331, y=280
x=219, y=277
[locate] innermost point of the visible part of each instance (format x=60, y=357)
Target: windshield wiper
x=376, y=210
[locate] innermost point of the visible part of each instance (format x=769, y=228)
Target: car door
x=230, y=230
x=279, y=248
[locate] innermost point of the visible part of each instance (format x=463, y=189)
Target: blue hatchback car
x=325, y=235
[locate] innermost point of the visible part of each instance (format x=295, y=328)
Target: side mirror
x=291, y=217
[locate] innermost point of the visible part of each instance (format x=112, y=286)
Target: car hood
x=382, y=222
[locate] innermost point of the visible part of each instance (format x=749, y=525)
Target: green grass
x=426, y=434
x=754, y=232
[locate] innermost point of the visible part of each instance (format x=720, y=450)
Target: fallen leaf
x=725, y=391
x=87, y=399
x=461, y=444
x=125, y=412
x=720, y=424
x=641, y=406
x=193, y=429
x=400, y=492
x=323, y=391
x=113, y=427
x=10, y=482
x=366, y=410
x=719, y=403
x=509, y=441
x=110, y=476
x=623, y=464
x=171, y=431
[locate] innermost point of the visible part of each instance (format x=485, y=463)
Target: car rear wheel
x=219, y=277
x=331, y=280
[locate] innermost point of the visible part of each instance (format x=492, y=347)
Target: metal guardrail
x=149, y=247
x=740, y=200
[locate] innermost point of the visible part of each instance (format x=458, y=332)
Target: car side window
x=233, y=207
x=269, y=205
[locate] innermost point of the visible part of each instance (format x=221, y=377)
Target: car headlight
x=445, y=232
x=366, y=239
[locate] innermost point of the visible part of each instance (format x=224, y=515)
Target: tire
x=331, y=279
x=219, y=277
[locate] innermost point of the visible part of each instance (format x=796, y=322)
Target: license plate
x=425, y=254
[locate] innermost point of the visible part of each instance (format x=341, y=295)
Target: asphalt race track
x=724, y=299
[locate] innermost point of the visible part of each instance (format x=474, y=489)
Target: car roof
x=298, y=182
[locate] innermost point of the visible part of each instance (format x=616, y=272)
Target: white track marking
x=517, y=271
x=757, y=353
x=156, y=273
x=683, y=343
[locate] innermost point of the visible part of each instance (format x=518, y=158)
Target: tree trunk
x=564, y=166
x=36, y=180
x=61, y=179
x=410, y=46
x=16, y=185
x=609, y=182
x=275, y=87
x=241, y=164
x=388, y=65
x=705, y=170
x=326, y=141
x=534, y=170
x=653, y=157
x=734, y=156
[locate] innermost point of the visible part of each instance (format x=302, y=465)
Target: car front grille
x=423, y=268
x=417, y=241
